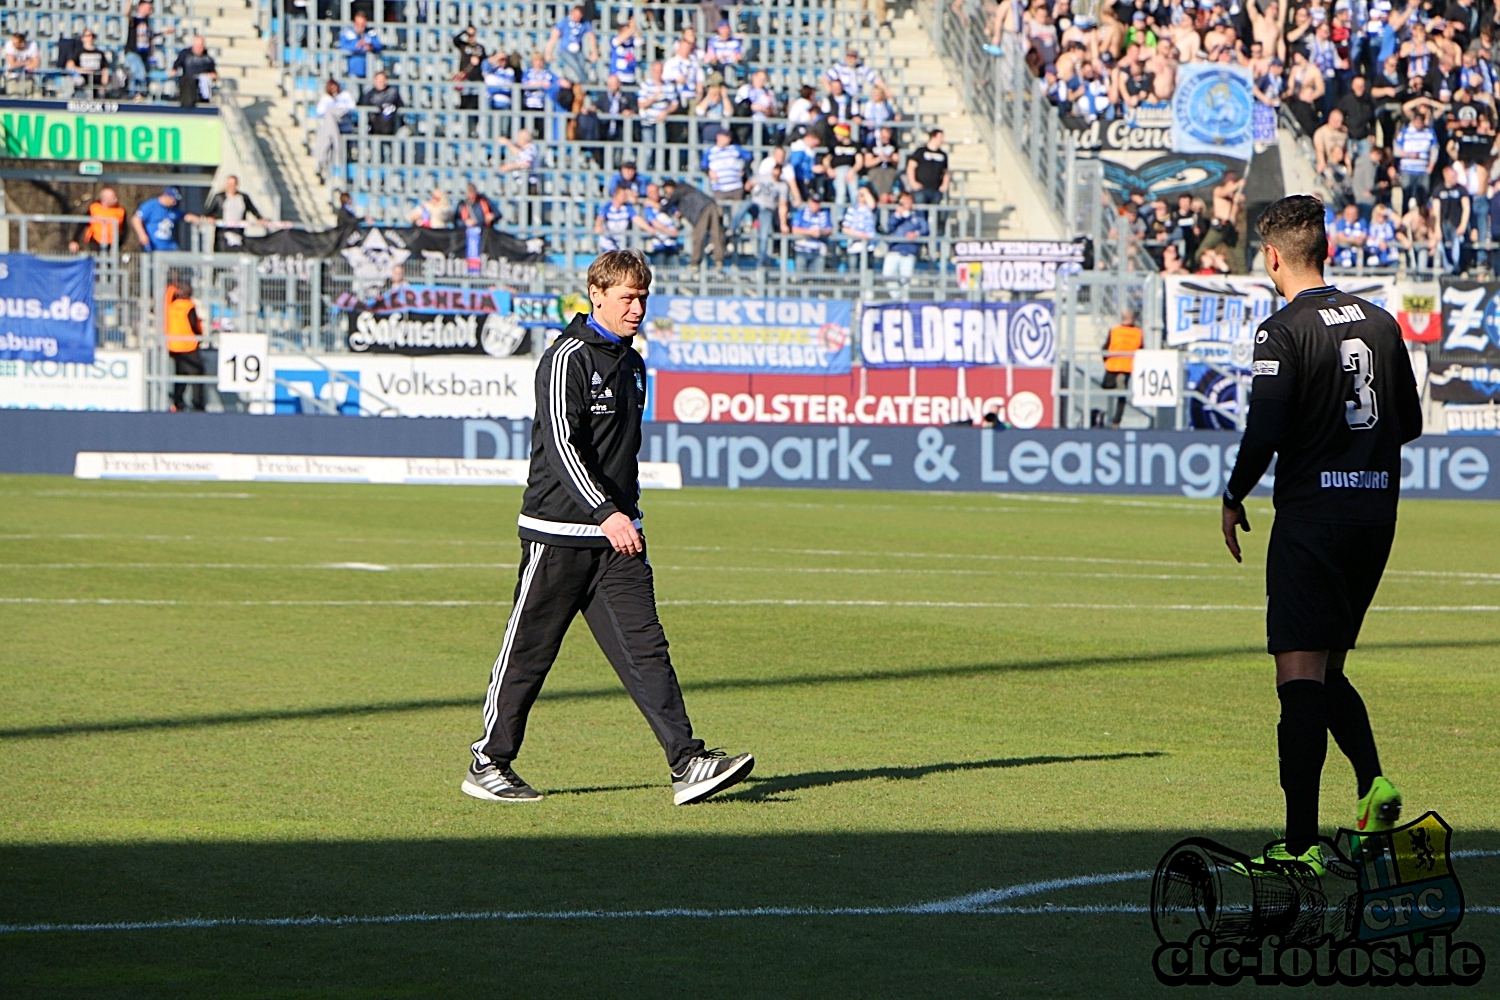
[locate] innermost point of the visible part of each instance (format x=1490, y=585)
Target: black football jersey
x=1339, y=364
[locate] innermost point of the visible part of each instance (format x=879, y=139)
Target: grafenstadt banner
x=949, y=334
x=430, y=319
x=770, y=336
x=1019, y=265
x=46, y=309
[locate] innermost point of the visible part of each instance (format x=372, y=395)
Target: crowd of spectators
x=834, y=151
x=1397, y=98
x=83, y=67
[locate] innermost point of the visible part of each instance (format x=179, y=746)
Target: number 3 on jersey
x=1359, y=408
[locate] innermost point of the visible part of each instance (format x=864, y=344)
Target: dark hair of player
x=1294, y=226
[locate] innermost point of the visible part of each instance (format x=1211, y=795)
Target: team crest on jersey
x=1341, y=314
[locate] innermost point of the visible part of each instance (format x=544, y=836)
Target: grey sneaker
x=711, y=771
x=497, y=782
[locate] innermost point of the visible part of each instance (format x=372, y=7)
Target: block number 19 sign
x=243, y=362
x=1155, y=380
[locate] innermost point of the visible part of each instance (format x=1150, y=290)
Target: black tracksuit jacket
x=590, y=396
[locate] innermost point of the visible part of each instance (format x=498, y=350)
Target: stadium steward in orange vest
x=1119, y=362
x=107, y=219
x=184, y=331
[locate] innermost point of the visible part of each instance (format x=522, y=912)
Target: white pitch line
x=983, y=903
x=707, y=602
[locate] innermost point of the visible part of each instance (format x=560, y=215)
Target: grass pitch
x=945, y=694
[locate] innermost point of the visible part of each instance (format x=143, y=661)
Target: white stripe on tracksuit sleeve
x=574, y=473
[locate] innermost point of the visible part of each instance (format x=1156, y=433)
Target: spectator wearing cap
x=927, y=174
x=725, y=162
x=725, y=51
x=357, y=41
x=843, y=164
x=715, y=113
x=615, y=221
x=155, y=221
x=629, y=178
x=22, y=60
x=1140, y=33
x=857, y=78
x=196, y=72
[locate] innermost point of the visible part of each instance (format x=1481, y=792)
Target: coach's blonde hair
x=620, y=267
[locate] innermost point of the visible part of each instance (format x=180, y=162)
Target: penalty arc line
x=980, y=903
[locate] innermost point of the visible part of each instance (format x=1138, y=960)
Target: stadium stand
x=137, y=47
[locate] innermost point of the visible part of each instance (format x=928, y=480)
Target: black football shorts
x=1320, y=580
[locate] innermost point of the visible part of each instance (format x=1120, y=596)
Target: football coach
x=582, y=547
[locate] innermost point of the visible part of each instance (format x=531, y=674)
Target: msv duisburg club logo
x=1383, y=914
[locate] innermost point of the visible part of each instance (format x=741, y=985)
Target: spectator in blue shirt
x=802, y=157
x=628, y=178
x=538, y=84
x=155, y=222
x=724, y=162
x=860, y=226
x=665, y=242
x=901, y=254
x=812, y=224
x=573, y=46
x=615, y=221
x=625, y=50
x=1381, y=248
x=355, y=41
x=1348, y=235
x=725, y=51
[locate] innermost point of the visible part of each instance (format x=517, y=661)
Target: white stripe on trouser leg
x=497, y=672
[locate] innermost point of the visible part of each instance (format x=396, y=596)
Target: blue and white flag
x=46, y=309
x=1213, y=110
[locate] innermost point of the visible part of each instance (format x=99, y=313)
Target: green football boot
x=1277, y=855
x=1379, y=810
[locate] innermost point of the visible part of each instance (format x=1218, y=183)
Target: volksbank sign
x=109, y=131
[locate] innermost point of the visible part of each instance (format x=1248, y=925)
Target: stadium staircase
x=238, y=33
x=1014, y=207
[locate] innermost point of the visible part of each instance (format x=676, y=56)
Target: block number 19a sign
x=243, y=362
x=1155, y=381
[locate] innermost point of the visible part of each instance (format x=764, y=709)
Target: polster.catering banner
x=46, y=309
x=949, y=334
x=769, y=336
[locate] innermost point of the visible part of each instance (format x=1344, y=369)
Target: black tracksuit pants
x=617, y=595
